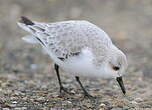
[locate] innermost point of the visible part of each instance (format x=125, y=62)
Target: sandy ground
x=27, y=77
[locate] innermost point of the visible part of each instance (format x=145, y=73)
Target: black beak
x=120, y=82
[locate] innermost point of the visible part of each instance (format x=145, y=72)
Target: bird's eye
x=116, y=68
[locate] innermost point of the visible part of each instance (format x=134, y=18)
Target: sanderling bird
x=79, y=47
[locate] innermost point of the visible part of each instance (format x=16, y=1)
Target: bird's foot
x=87, y=95
x=65, y=90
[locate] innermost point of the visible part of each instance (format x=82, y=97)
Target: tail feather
x=30, y=39
x=26, y=21
x=32, y=28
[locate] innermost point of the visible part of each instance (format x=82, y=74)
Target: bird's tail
x=26, y=21
x=33, y=28
x=38, y=34
x=27, y=25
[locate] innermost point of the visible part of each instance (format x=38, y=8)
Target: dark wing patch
x=62, y=59
x=67, y=56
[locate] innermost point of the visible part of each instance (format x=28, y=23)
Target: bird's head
x=116, y=66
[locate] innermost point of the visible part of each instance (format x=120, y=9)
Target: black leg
x=60, y=83
x=85, y=92
x=58, y=75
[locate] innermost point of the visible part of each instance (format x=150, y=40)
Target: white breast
x=81, y=65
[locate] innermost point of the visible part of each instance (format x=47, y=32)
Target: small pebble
x=69, y=102
x=138, y=100
x=116, y=108
x=33, y=66
x=5, y=109
x=125, y=107
x=14, y=102
x=134, y=102
x=102, y=105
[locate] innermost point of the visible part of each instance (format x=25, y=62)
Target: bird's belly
x=78, y=70
x=79, y=67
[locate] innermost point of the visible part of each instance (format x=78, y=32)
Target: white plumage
x=80, y=47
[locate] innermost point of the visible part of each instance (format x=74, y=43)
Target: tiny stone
x=102, y=105
x=125, y=107
x=17, y=108
x=72, y=91
x=133, y=102
x=116, y=108
x=14, y=102
x=5, y=109
x=138, y=99
x=101, y=109
x=33, y=66
x=69, y=102
x=24, y=108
